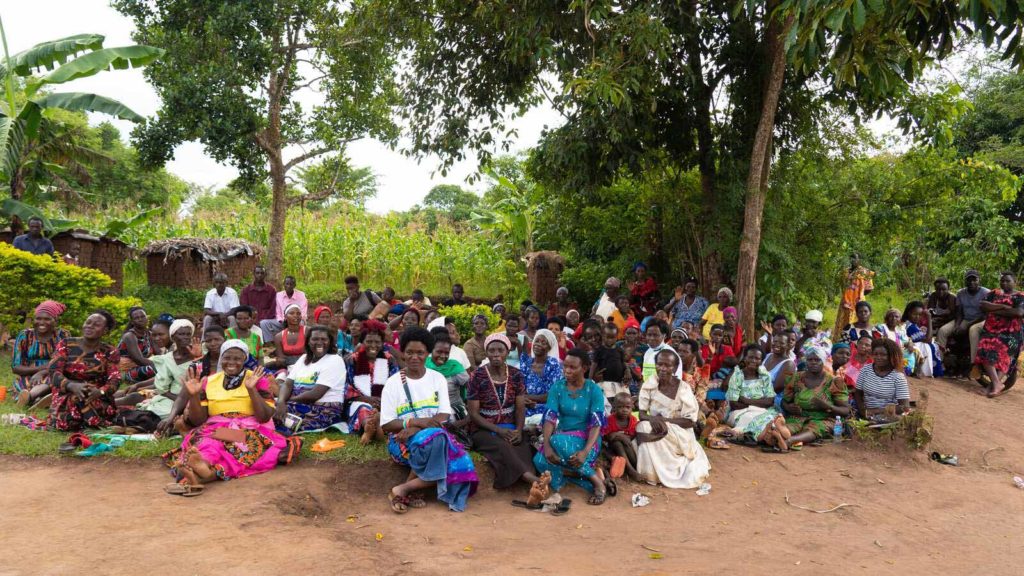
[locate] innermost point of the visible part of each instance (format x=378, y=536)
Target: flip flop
x=326, y=445
x=416, y=500
x=527, y=505
x=395, y=501
x=96, y=449
x=610, y=487
x=562, y=507
x=79, y=440
x=186, y=490
x=43, y=403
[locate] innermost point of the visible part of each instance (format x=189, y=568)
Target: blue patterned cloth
x=435, y=456
x=539, y=384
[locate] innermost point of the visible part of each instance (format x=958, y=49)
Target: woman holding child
x=813, y=399
x=667, y=449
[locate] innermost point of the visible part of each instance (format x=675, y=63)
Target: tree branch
x=305, y=156
x=312, y=197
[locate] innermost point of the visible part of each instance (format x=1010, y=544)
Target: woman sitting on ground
x=290, y=343
x=368, y=370
x=609, y=366
x=531, y=324
x=160, y=332
x=245, y=317
x=33, y=349
x=861, y=326
x=918, y=325
x=859, y=358
x=622, y=314
x=717, y=355
x=1000, y=341
x=151, y=406
x=136, y=347
x=454, y=373
x=231, y=415
x=882, y=389
x=474, y=347
x=572, y=430
x=84, y=376
x=813, y=399
x=315, y=386
x=413, y=409
x=667, y=449
x=557, y=327
x=496, y=399
x=540, y=371
x=779, y=363
x=751, y=395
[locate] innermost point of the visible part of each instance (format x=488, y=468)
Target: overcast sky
x=402, y=181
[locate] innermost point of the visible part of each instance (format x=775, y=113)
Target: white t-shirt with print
x=328, y=371
x=429, y=397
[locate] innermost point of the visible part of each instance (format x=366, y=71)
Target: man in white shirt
x=219, y=301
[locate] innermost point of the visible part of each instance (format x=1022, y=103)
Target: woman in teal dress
x=572, y=429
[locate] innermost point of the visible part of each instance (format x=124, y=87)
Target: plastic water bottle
x=837, y=430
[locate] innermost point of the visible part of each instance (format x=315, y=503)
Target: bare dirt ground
x=907, y=515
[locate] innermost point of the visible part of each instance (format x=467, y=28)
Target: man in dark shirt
x=34, y=241
x=941, y=304
x=260, y=295
x=968, y=317
x=457, y=298
x=359, y=302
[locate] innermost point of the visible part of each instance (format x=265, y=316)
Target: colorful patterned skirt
x=1000, y=349
x=319, y=415
x=258, y=453
x=68, y=413
x=358, y=413
x=436, y=456
x=565, y=444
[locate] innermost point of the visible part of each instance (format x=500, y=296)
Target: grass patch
x=19, y=440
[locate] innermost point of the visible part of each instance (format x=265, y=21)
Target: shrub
x=463, y=317
x=27, y=279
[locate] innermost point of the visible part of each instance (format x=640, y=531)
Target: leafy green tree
x=234, y=78
x=453, y=201
x=31, y=142
x=334, y=179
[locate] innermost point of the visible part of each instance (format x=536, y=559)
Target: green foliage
x=160, y=299
x=27, y=279
x=463, y=317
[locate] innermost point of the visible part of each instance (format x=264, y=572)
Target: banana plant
x=27, y=95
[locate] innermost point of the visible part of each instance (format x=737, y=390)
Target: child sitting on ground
x=619, y=433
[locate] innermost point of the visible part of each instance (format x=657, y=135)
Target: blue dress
x=574, y=416
x=539, y=384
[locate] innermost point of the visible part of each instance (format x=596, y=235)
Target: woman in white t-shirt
x=314, y=388
x=414, y=406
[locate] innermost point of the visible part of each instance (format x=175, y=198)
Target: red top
x=297, y=349
x=612, y=426
x=715, y=361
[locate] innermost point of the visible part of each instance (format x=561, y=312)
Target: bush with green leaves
x=27, y=279
x=463, y=317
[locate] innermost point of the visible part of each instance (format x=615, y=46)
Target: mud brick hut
x=192, y=262
x=542, y=271
x=99, y=252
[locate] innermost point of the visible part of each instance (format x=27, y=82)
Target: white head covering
x=551, y=340
x=179, y=324
x=436, y=323
x=228, y=345
x=290, y=306
x=814, y=315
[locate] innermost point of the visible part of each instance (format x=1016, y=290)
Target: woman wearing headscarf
x=33, y=349
x=136, y=347
x=232, y=436
x=368, y=369
x=315, y=386
x=84, y=377
x=813, y=399
x=158, y=403
x=732, y=332
x=540, y=370
x=667, y=449
x=496, y=400
x=715, y=313
x=290, y=343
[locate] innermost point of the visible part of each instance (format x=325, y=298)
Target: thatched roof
x=211, y=249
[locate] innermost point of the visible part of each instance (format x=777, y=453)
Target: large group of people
x=632, y=386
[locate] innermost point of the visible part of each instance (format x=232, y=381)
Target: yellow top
x=221, y=401
x=713, y=315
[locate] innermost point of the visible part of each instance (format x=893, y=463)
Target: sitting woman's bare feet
x=199, y=466
x=370, y=428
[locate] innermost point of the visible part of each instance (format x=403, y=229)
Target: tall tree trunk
x=757, y=178
x=270, y=141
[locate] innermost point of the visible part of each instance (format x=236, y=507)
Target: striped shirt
x=429, y=397
x=880, y=391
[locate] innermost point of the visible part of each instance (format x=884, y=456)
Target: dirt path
x=911, y=516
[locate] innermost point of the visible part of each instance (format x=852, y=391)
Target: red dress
x=99, y=368
x=643, y=297
x=1000, y=340
x=612, y=426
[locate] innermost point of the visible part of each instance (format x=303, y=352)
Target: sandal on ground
x=416, y=500
x=774, y=450
x=43, y=403
x=24, y=397
x=527, y=505
x=611, y=489
x=562, y=507
x=597, y=499
x=326, y=445
x=186, y=490
x=399, y=504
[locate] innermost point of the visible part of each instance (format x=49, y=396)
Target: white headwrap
x=228, y=345
x=179, y=324
x=436, y=323
x=551, y=340
x=290, y=306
